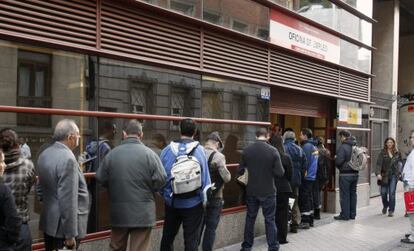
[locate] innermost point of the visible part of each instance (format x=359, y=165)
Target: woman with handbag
x=388, y=172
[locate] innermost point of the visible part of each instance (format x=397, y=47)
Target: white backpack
x=186, y=176
x=359, y=158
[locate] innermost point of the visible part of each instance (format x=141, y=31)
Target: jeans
x=316, y=195
x=306, y=197
x=192, y=220
x=211, y=221
x=268, y=205
x=388, y=193
x=348, y=195
x=25, y=239
x=282, y=215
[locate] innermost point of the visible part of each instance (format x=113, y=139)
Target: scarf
x=12, y=155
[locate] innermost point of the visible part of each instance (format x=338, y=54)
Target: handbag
x=409, y=201
x=244, y=178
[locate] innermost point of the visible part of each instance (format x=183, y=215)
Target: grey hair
x=64, y=128
x=289, y=135
x=133, y=127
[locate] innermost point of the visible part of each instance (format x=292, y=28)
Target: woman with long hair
x=388, y=173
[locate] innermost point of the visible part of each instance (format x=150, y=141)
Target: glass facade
x=362, y=6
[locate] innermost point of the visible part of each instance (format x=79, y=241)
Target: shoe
x=352, y=218
x=311, y=221
x=317, y=214
x=303, y=225
x=384, y=210
x=406, y=215
x=339, y=217
x=407, y=235
x=283, y=242
x=294, y=229
x=407, y=241
x=390, y=213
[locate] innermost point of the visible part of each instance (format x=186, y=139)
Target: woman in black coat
x=284, y=191
x=9, y=220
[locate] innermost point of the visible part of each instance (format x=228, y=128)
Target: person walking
x=322, y=176
x=408, y=179
x=219, y=174
x=19, y=175
x=62, y=189
x=299, y=166
x=388, y=167
x=10, y=222
x=132, y=173
x=284, y=191
x=263, y=164
x=184, y=201
x=348, y=178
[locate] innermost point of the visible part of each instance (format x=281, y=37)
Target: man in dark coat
x=132, y=173
x=348, y=178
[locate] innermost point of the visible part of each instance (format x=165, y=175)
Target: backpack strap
x=211, y=158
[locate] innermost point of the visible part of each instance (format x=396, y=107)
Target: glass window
x=364, y=6
x=249, y=17
x=355, y=57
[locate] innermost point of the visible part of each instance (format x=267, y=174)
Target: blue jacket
x=311, y=152
x=299, y=162
x=168, y=158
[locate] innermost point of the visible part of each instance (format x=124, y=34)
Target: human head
x=188, y=128
x=320, y=141
x=390, y=144
x=134, y=129
x=8, y=139
x=305, y=134
x=2, y=164
x=159, y=140
x=344, y=135
x=67, y=132
x=107, y=130
x=213, y=139
x=412, y=138
x=289, y=135
x=22, y=141
x=262, y=133
x=277, y=142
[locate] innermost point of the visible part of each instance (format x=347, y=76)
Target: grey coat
x=132, y=173
x=62, y=188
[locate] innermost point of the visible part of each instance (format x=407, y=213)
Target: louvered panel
x=231, y=57
x=294, y=72
x=71, y=21
x=353, y=86
x=131, y=31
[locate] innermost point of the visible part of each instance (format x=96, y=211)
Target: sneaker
x=390, y=214
x=407, y=241
x=303, y=225
x=340, y=217
x=384, y=210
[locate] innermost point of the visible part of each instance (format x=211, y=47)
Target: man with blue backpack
x=299, y=166
x=185, y=193
x=308, y=182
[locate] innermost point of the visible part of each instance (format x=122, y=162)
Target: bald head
x=64, y=128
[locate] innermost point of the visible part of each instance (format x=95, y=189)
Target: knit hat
x=216, y=137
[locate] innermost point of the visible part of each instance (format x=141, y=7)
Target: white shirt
x=25, y=149
x=409, y=169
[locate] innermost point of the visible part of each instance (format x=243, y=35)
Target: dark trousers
x=306, y=198
x=388, y=193
x=268, y=205
x=211, y=221
x=53, y=243
x=25, y=239
x=348, y=195
x=282, y=215
x=192, y=220
x=316, y=195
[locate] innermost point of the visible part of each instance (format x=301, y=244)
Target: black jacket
x=263, y=164
x=388, y=166
x=283, y=184
x=10, y=222
x=343, y=156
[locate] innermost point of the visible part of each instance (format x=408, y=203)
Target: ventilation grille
x=131, y=32
x=70, y=21
x=231, y=57
x=353, y=86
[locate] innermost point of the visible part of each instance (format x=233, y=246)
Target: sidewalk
x=370, y=231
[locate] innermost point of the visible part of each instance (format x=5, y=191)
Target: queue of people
x=189, y=176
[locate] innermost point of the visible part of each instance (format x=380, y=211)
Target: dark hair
x=261, y=132
x=394, y=148
x=345, y=133
x=277, y=142
x=8, y=139
x=106, y=127
x=133, y=127
x=160, y=138
x=188, y=127
x=320, y=141
x=307, y=132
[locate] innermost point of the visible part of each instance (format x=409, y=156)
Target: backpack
x=89, y=157
x=186, y=178
x=323, y=172
x=359, y=158
x=215, y=175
